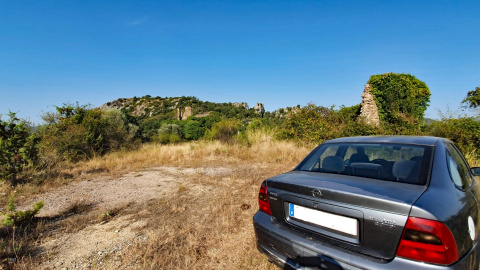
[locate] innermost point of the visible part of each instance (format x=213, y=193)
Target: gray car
x=389, y=202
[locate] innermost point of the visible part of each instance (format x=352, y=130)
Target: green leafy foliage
x=18, y=148
x=473, y=98
x=350, y=113
x=78, y=132
x=19, y=218
x=225, y=131
x=463, y=131
x=317, y=124
x=399, y=97
x=153, y=112
x=193, y=129
x=168, y=133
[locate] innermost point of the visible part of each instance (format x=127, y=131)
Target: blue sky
x=280, y=53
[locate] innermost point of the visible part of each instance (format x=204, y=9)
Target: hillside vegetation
x=79, y=142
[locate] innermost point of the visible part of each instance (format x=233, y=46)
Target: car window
x=458, y=168
x=394, y=162
x=314, y=162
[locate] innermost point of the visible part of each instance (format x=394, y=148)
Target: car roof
x=420, y=140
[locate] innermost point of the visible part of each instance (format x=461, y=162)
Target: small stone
x=117, y=231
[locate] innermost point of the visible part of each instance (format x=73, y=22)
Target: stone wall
x=184, y=113
x=369, y=110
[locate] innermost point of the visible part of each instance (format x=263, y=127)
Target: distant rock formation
x=179, y=108
x=369, y=110
x=286, y=112
x=183, y=114
x=241, y=104
x=259, y=109
x=116, y=104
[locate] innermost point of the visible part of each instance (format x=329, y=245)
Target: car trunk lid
x=361, y=214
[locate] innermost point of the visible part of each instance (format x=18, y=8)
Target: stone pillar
x=179, y=113
x=369, y=110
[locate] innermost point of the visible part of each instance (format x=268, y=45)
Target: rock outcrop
x=286, y=112
x=259, y=109
x=369, y=110
x=241, y=104
x=183, y=114
x=116, y=104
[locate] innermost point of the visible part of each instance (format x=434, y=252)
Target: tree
x=193, y=129
x=473, y=98
x=17, y=148
x=76, y=132
x=399, y=97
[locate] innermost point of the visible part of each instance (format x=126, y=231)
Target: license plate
x=331, y=221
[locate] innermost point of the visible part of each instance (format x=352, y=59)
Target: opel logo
x=317, y=193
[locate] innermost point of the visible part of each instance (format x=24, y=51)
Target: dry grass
x=263, y=151
x=206, y=224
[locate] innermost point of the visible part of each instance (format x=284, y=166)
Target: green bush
x=350, y=113
x=225, y=131
x=464, y=132
x=399, y=97
x=312, y=124
x=168, y=133
x=193, y=130
x=18, y=148
x=19, y=218
x=77, y=132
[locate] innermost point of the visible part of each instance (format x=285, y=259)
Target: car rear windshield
x=393, y=162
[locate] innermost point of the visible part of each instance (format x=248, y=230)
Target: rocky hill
x=179, y=108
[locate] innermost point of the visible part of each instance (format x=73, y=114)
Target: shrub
x=399, y=96
x=193, y=130
x=225, y=131
x=350, y=113
x=312, y=124
x=464, y=132
x=18, y=148
x=77, y=132
x=168, y=133
x=19, y=218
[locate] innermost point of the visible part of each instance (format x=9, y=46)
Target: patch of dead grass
x=206, y=223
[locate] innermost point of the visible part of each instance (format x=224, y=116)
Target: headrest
x=333, y=164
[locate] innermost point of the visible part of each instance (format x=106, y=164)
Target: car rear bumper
x=292, y=250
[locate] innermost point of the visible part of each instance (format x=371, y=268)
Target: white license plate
x=331, y=221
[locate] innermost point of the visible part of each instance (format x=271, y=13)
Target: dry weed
x=205, y=224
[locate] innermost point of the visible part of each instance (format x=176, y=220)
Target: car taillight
x=427, y=241
x=263, y=199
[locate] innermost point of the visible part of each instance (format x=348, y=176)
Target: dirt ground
x=122, y=222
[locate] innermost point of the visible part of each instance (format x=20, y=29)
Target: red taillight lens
x=427, y=241
x=263, y=199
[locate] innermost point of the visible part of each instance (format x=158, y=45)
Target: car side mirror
x=475, y=171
